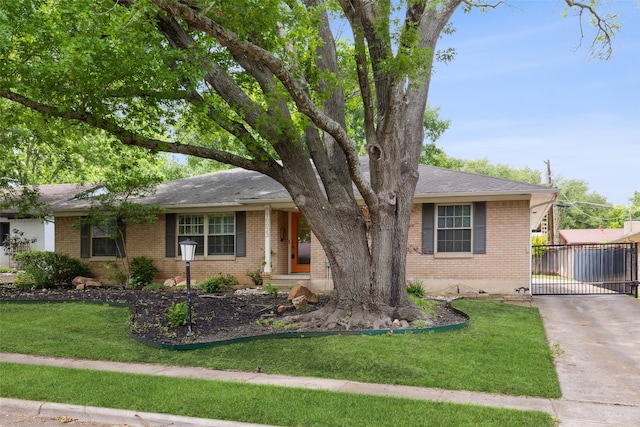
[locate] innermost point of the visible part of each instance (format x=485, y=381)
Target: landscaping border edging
x=302, y=334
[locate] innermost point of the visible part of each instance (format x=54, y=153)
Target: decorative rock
x=301, y=290
x=92, y=283
x=250, y=291
x=282, y=308
x=299, y=302
x=80, y=286
x=396, y=322
x=79, y=280
x=170, y=283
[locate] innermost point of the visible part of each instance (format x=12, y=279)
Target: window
x=103, y=242
x=220, y=235
x=454, y=228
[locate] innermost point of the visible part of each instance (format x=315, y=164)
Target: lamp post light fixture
x=188, y=251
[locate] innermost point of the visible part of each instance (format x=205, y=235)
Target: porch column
x=267, y=238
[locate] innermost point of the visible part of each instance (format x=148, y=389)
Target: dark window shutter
x=170, y=235
x=241, y=233
x=480, y=228
x=85, y=241
x=428, y=222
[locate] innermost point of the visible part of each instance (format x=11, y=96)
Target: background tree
x=270, y=75
x=580, y=208
x=114, y=208
x=36, y=149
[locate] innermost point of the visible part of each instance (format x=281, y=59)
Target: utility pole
x=552, y=223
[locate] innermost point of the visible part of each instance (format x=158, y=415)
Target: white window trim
x=206, y=216
x=445, y=254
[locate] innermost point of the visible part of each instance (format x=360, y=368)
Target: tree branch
x=179, y=38
x=304, y=104
x=129, y=138
x=605, y=26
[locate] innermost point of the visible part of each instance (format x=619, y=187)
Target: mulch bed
x=215, y=317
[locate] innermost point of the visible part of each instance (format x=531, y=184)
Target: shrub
x=538, y=245
x=216, y=283
x=271, y=290
x=24, y=281
x=48, y=269
x=142, y=270
x=416, y=288
x=177, y=314
x=256, y=277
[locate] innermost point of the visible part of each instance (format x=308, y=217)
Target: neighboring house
x=590, y=235
x=631, y=233
x=467, y=232
x=34, y=228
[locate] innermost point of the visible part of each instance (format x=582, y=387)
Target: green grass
x=245, y=402
x=503, y=350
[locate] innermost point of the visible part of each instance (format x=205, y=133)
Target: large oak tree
x=170, y=75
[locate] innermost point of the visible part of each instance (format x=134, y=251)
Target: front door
x=300, y=244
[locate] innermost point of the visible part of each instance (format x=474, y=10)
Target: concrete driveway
x=597, y=340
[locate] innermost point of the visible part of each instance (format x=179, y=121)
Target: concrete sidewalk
x=598, y=338
x=601, y=413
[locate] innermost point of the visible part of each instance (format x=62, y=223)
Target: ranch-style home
x=468, y=232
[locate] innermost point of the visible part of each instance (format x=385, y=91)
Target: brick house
x=467, y=231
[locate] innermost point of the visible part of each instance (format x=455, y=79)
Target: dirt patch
x=215, y=317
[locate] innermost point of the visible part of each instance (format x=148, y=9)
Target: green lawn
x=503, y=350
x=245, y=402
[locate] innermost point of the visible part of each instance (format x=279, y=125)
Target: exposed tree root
x=335, y=317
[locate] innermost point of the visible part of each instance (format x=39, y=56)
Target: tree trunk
x=368, y=265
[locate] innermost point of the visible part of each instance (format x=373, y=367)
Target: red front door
x=300, y=244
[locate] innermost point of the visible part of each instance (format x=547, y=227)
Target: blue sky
x=519, y=93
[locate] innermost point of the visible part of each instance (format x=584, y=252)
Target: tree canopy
x=264, y=85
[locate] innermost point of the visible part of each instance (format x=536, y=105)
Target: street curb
x=110, y=416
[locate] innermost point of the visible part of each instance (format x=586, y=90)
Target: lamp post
x=188, y=250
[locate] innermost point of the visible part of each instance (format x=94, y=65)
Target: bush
x=177, y=314
x=24, y=281
x=142, y=270
x=271, y=290
x=256, y=277
x=48, y=269
x=216, y=283
x=416, y=288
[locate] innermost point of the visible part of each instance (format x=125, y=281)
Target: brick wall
x=149, y=240
x=504, y=267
